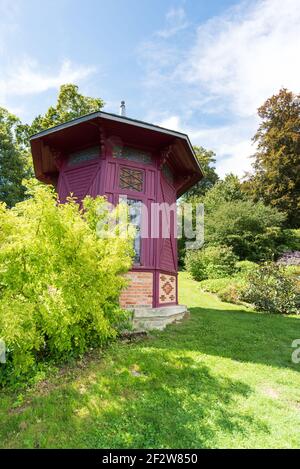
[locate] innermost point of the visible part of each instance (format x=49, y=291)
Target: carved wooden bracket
x=184, y=180
x=57, y=157
x=165, y=155
x=102, y=139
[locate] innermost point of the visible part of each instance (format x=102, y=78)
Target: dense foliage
x=228, y=189
x=70, y=104
x=210, y=262
x=228, y=289
x=207, y=162
x=276, y=180
x=59, y=282
x=270, y=289
x=13, y=162
x=252, y=230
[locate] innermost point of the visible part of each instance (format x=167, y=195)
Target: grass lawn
x=223, y=378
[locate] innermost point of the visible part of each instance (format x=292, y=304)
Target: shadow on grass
x=160, y=393
x=237, y=334
x=173, y=401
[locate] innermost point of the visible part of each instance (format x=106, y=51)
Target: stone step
x=157, y=318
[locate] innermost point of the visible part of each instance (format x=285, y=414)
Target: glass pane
x=81, y=156
x=135, y=217
x=132, y=154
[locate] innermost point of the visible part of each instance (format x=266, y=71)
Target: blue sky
x=202, y=67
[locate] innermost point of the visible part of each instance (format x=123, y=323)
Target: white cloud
x=235, y=158
x=172, y=123
x=234, y=63
x=230, y=143
x=26, y=78
x=175, y=21
x=23, y=75
x=246, y=55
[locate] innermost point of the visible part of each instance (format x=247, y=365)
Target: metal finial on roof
x=123, y=109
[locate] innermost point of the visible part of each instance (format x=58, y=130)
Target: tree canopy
x=15, y=156
x=228, y=189
x=276, y=180
x=70, y=104
x=207, y=161
x=252, y=229
x=13, y=164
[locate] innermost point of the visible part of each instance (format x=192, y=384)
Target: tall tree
x=70, y=104
x=13, y=161
x=15, y=156
x=207, y=161
x=196, y=194
x=228, y=189
x=276, y=180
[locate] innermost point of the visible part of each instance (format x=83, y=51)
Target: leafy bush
x=291, y=240
x=271, y=290
x=244, y=268
x=229, y=289
x=252, y=230
x=292, y=271
x=231, y=294
x=59, y=282
x=211, y=262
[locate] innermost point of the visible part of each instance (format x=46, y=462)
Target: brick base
x=139, y=291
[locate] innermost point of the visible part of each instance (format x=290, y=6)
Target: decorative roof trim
x=121, y=119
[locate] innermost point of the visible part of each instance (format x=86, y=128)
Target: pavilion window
x=132, y=154
x=135, y=218
x=81, y=156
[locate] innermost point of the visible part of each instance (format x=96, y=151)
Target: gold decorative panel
x=167, y=288
x=131, y=179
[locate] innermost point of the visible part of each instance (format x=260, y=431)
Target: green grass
x=222, y=378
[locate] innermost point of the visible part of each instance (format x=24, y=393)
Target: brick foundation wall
x=139, y=291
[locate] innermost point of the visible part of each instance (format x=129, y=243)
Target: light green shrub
x=292, y=271
x=59, y=282
x=244, y=268
x=211, y=262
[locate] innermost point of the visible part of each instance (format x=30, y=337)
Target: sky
x=198, y=66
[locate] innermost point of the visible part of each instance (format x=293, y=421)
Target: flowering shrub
x=59, y=282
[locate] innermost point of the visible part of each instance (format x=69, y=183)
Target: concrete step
x=157, y=318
